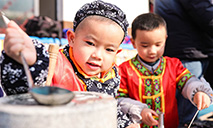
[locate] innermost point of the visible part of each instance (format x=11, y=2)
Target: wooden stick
x=53, y=55
x=193, y=119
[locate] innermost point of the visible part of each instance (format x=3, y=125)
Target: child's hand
x=16, y=41
x=202, y=100
x=133, y=126
x=147, y=117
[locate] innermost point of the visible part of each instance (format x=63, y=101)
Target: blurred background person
x=190, y=38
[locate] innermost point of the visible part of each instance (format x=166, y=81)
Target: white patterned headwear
x=102, y=9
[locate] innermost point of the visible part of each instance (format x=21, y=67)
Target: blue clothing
x=197, y=68
x=190, y=28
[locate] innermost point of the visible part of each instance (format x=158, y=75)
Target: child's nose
x=153, y=50
x=97, y=54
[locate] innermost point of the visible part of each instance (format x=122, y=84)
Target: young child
x=152, y=79
x=85, y=64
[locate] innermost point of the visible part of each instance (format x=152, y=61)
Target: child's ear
x=70, y=37
x=133, y=42
x=119, y=50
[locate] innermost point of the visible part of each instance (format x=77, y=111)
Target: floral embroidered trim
x=183, y=78
x=141, y=68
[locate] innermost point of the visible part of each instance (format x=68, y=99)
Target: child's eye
x=110, y=50
x=90, y=43
x=158, y=45
x=144, y=46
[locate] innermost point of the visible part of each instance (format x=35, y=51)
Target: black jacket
x=190, y=27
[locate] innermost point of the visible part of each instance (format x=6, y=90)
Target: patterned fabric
x=145, y=71
x=156, y=89
x=182, y=80
x=102, y=9
x=152, y=87
x=13, y=78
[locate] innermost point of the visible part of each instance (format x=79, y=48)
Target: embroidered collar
x=151, y=68
x=145, y=69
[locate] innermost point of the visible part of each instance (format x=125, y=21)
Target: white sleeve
x=132, y=107
x=194, y=85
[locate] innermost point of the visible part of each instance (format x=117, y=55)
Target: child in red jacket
x=152, y=78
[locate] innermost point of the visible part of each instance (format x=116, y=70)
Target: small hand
x=202, y=100
x=147, y=117
x=16, y=41
x=133, y=126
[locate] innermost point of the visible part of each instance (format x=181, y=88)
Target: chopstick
x=6, y=20
x=193, y=119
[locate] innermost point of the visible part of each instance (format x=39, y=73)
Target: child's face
x=95, y=45
x=150, y=44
